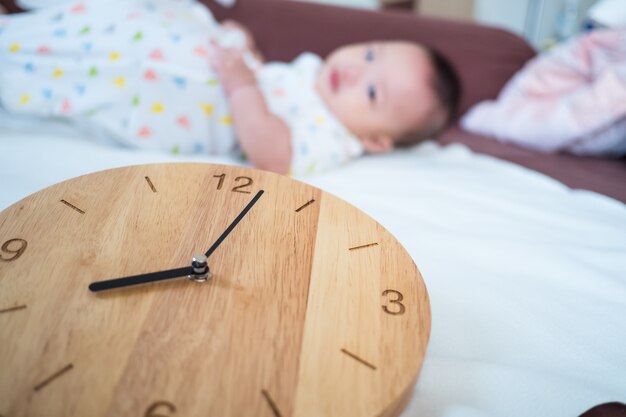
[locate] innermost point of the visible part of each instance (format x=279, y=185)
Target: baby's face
x=379, y=88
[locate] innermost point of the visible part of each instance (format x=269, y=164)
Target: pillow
x=571, y=99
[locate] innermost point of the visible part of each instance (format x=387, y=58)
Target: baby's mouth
x=335, y=80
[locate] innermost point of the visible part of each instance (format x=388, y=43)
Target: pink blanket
x=571, y=99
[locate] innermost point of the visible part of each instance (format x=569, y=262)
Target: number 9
x=16, y=252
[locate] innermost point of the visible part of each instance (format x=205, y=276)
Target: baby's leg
x=54, y=62
x=76, y=59
x=135, y=70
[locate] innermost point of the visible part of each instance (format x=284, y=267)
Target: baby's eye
x=369, y=55
x=371, y=93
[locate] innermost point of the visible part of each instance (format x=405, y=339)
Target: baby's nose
x=352, y=74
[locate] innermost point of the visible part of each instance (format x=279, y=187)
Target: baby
x=157, y=74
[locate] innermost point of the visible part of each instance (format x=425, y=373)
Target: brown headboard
x=485, y=57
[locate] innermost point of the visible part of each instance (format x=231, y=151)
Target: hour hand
x=198, y=271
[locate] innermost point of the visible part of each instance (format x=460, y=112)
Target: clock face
x=313, y=309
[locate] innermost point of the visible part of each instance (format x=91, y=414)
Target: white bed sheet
x=526, y=277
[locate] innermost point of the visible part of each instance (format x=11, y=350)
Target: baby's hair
x=446, y=86
x=447, y=89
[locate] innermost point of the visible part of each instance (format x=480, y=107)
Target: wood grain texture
x=286, y=327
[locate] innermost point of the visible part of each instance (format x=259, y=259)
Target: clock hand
x=140, y=279
x=234, y=223
x=198, y=271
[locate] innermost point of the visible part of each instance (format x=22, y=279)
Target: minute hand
x=234, y=223
x=173, y=273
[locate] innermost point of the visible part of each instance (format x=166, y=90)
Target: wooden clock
x=298, y=304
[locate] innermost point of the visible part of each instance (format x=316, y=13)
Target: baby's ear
x=377, y=143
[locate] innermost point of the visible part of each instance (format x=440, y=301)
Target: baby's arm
x=264, y=137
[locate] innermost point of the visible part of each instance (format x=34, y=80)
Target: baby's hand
x=234, y=25
x=250, y=42
x=232, y=70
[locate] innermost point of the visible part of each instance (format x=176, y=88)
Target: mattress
x=525, y=275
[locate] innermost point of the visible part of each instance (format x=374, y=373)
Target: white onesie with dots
x=139, y=72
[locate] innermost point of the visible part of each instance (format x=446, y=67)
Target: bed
x=525, y=273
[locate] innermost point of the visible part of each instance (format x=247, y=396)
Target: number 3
x=400, y=307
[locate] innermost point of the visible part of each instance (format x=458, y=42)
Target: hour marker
x=305, y=204
x=353, y=356
x=72, y=206
x=151, y=185
x=7, y=310
x=53, y=377
x=271, y=403
x=364, y=246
